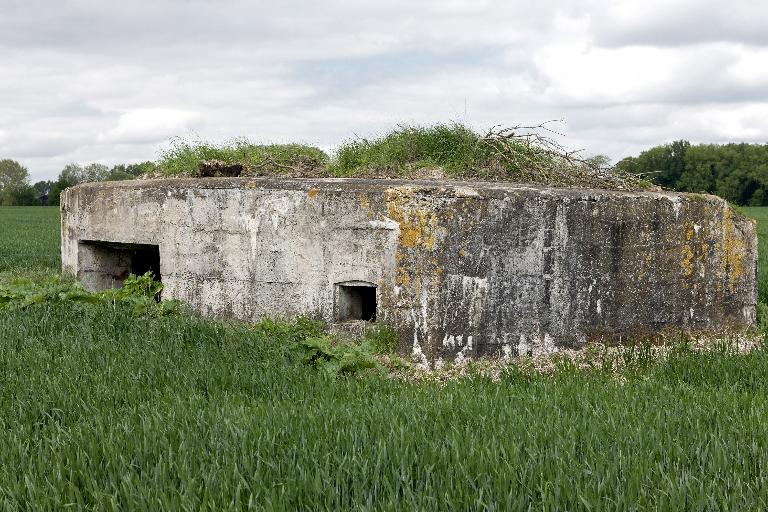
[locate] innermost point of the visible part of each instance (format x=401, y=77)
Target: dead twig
x=530, y=152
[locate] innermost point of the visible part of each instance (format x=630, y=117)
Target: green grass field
x=760, y=214
x=29, y=238
x=101, y=409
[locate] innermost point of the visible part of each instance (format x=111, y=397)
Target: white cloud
x=625, y=75
x=148, y=125
x=679, y=22
x=723, y=123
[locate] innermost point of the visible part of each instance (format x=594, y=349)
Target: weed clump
x=140, y=295
x=406, y=149
x=344, y=357
x=337, y=358
x=183, y=158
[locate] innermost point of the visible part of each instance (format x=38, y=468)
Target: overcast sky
x=111, y=81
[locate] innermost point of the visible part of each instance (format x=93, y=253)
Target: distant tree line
x=16, y=189
x=736, y=172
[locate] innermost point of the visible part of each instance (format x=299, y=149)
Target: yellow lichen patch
x=688, y=253
x=730, y=249
x=686, y=261
x=403, y=279
x=418, y=223
x=418, y=269
x=366, y=205
x=734, y=250
x=417, y=230
x=312, y=193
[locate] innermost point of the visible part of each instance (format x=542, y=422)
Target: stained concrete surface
x=460, y=269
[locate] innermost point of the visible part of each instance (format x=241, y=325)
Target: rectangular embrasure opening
x=105, y=265
x=356, y=301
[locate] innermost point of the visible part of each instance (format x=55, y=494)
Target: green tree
x=737, y=172
x=43, y=188
x=94, y=172
x=12, y=174
x=71, y=175
x=599, y=161
x=118, y=173
x=129, y=172
x=20, y=195
x=43, y=191
x=14, y=184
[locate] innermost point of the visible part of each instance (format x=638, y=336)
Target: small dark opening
x=146, y=259
x=367, y=303
x=356, y=302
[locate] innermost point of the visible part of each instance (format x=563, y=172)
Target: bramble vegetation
x=104, y=409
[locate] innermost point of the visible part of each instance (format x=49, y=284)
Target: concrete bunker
x=457, y=269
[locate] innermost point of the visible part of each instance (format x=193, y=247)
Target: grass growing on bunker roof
x=183, y=157
x=523, y=154
x=441, y=151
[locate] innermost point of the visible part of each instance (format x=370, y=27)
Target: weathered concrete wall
x=461, y=270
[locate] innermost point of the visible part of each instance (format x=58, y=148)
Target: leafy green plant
x=337, y=358
x=139, y=293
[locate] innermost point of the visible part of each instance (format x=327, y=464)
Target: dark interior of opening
x=146, y=259
x=357, y=303
x=116, y=260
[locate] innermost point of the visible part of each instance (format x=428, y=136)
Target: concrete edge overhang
x=451, y=188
